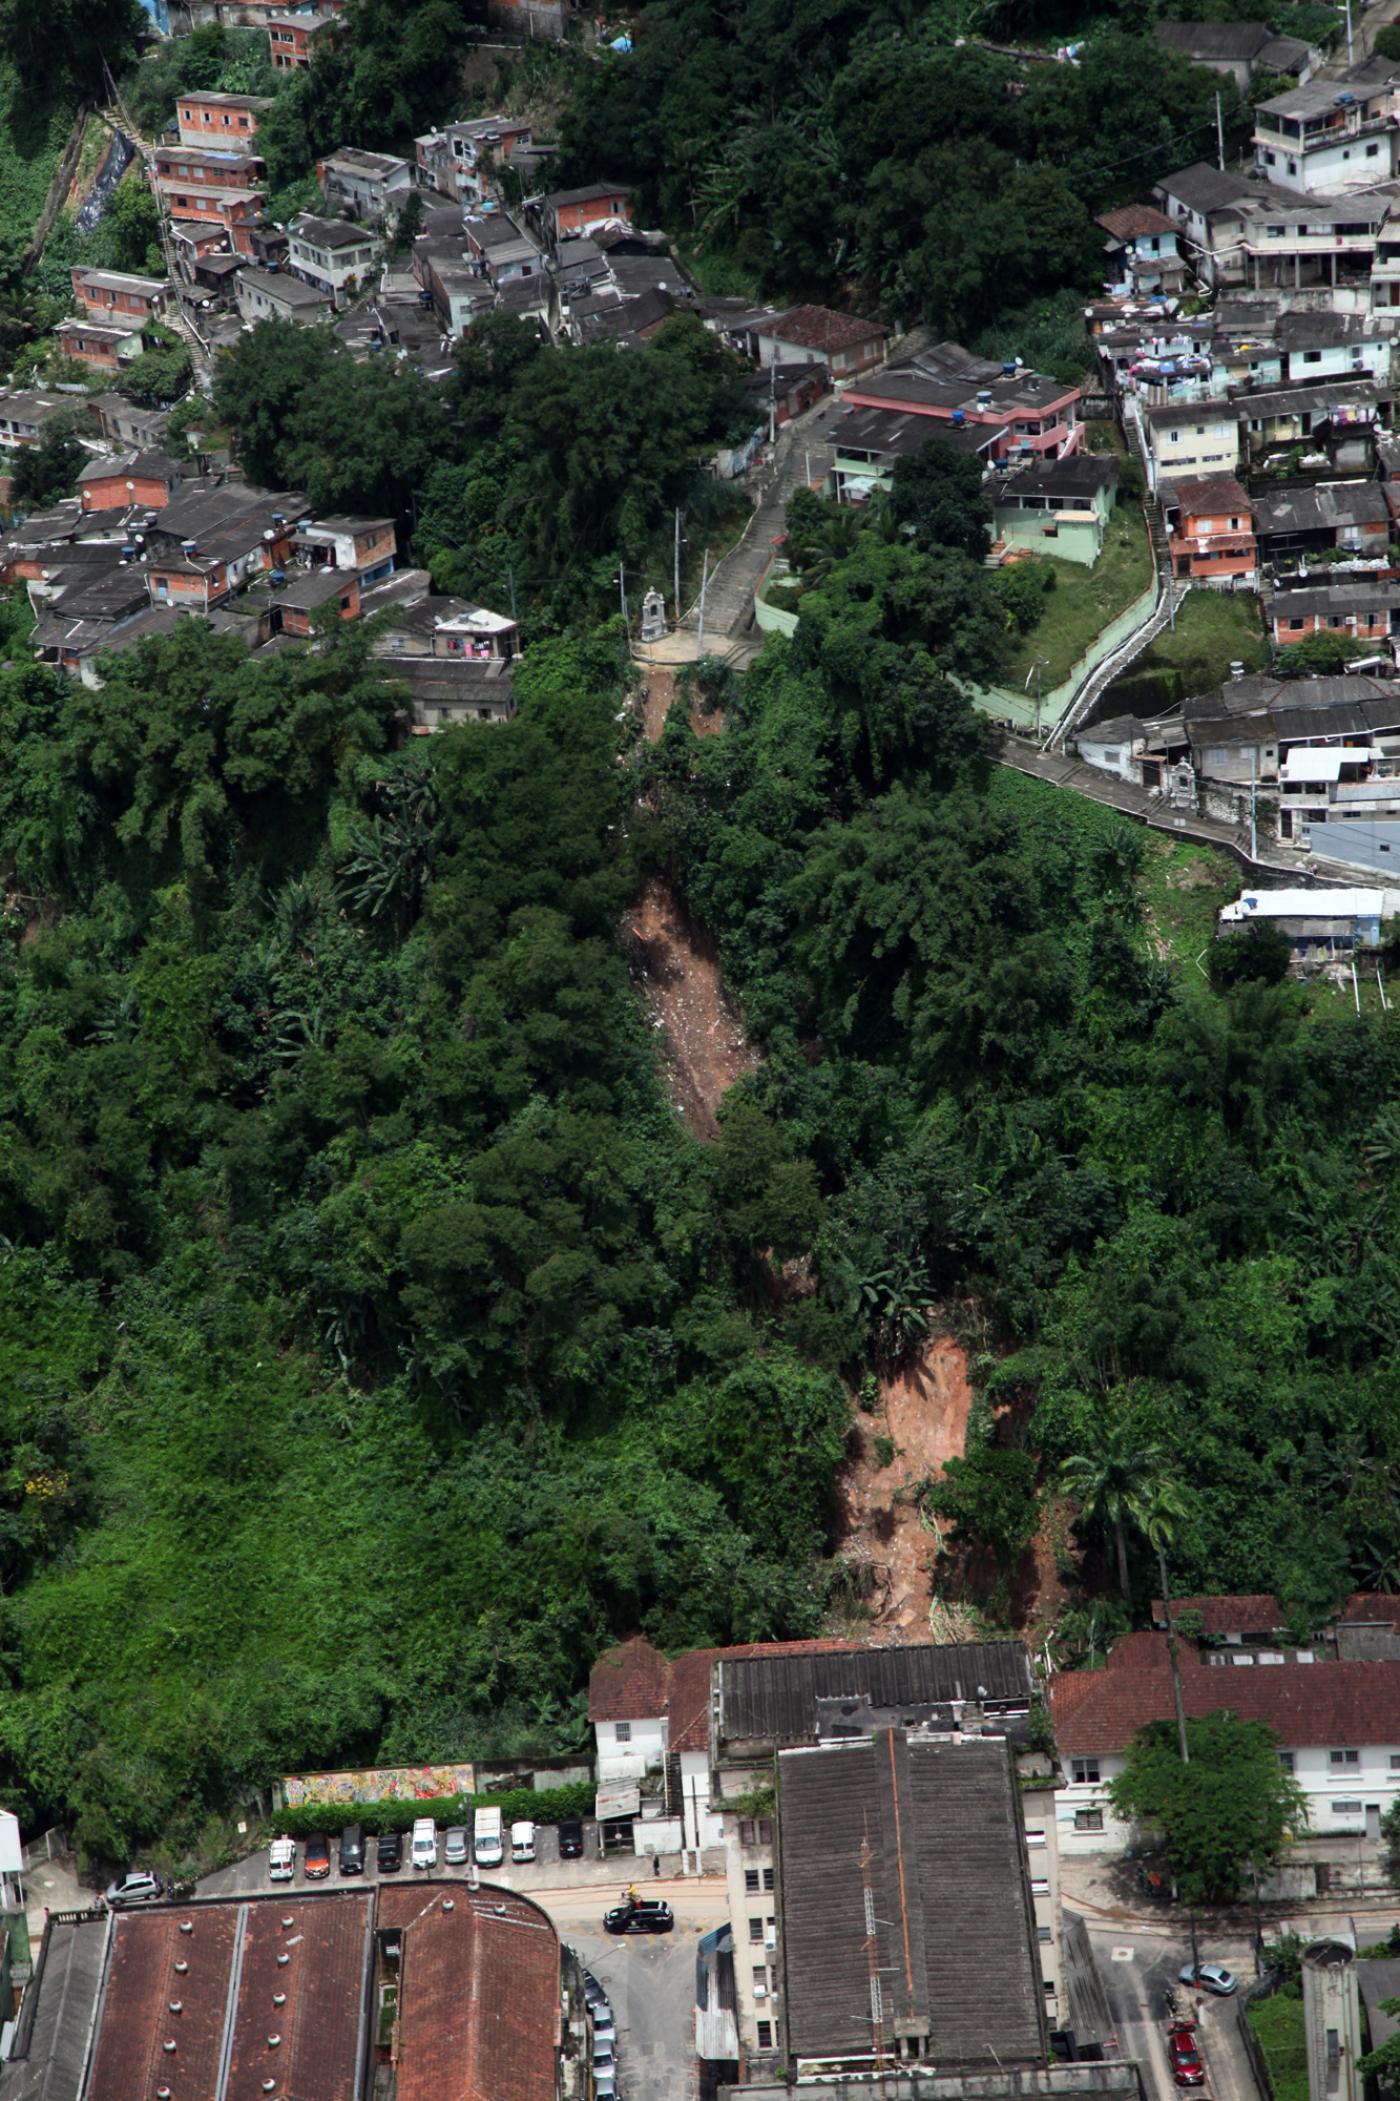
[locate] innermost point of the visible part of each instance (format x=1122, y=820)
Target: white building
x=1196, y=438
x=1336, y=1716
x=12, y=1897
x=338, y=258
x=1329, y=136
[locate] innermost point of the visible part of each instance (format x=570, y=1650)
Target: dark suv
x=352, y=1850
x=570, y=1837
x=639, y=1915
x=389, y=1852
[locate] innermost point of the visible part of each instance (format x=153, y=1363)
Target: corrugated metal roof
x=774, y=1697
x=924, y=1839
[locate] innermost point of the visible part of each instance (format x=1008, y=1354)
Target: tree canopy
x=1230, y=1808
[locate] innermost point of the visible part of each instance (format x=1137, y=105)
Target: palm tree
x=1116, y=1481
x=1166, y=1505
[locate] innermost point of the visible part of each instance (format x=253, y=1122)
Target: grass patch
x=1085, y=600
x=1214, y=629
x=1181, y=887
x=33, y=134
x=1278, y=2029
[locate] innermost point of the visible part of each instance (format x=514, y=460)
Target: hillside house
x=115, y=295
x=1328, y=136
x=1240, y=50
x=1192, y=440
x=365, y=546
x=1039, y=415
x=566, y=213
x=866, y=443
x=1211, y=530
x=262, y=295
x=147, y=480
x=100, y=348
x=209, y=119
x=334, y=255
x=1209, y=209
x=1368, y=611
x=1061, y=508
x=294, y=40
x=817, y=335
x=499, y=250
x=371, y=187
x=1352, y=517
x=1142, y=254
x=458, y=159
x=23, y=414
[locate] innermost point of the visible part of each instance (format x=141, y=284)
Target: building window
x=765, y=2035
x=1088, y=1820
x=767, y=1878
x=1085, y=1771
x=1285, y=1759
x=622, y=1731
x=1044, y=1933
x=1040, y=1886
x=751, y=1881
x=1336, y=1758
x=1035, y=1838
x=1346, y=1809
x=760, y=1981
x=756, y=1930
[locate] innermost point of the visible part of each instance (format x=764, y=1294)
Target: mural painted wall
x=384, y=1783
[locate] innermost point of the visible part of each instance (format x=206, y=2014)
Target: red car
x=318, y=1859
x=1187, y=2069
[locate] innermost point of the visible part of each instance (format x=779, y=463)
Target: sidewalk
x=1096, y=1885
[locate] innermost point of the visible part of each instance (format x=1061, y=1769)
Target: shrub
x=516, y=1805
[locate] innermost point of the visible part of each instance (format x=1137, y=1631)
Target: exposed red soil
x=913, y=1578
x=678, y=968
x=706, y=1050
x=923, y=1410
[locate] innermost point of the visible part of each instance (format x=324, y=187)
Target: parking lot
x=547, y=1870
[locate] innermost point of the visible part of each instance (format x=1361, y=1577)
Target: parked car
x=317, y=1863
x=138, y=1886
x=456, y=1846
x=282, y=1859
x=604, y=2055
x=570, y=1837
x=604, y=2028
x=352, y=1850
x=1211, y=1977
x=592, y=1990
x=605, y=2083
x=1184, y=2055
x=423, y=1851
x=389, y=1852
x=522, y=1841
x=639, y=1915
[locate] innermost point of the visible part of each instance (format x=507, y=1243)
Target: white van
x=522, y=1841
x=423, y=1851
x=281, y=1860
x=487, y=1845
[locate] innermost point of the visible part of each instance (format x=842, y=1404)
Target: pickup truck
x=281, y=1860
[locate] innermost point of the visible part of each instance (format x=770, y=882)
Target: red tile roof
x=1305, y=1703
x=1134, y=219
x=1370, y=1605
x=1260, y=1614
x=136, y=2021
x=629, y=1683
x=479, y=1994
x=324, y=1982
x=822, y=328
x=635, y=1682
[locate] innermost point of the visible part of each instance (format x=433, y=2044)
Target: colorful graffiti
x=382, y=1783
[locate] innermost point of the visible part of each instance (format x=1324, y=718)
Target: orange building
x=146, y=478
x=219, y=119
x=1211, y=529
x=100, y=348
x=113, y=295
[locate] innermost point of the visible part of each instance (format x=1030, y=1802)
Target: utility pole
x=1254, y=818
x=622, y=589
x=678, y=565
x=1349, y=49
x=704, y=581
x=772, y=404
x=1219, y=132
x=510, y=579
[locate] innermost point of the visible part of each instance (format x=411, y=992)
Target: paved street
x=650, y=1982
x=1136, y=1970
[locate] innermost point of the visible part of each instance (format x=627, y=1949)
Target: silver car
x=456, y=1846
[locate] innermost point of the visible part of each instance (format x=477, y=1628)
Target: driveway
x=1135, y=1970
x=649, y=1981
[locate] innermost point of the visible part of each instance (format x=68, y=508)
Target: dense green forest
x=375, y=1343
